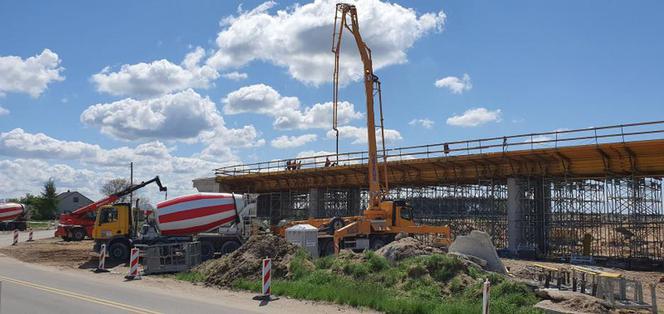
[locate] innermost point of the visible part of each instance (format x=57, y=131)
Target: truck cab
x=112, y=227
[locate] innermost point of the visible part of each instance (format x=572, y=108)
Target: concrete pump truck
x=383, y=219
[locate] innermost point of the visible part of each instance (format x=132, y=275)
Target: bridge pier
x=528, y=215
x=316, y=203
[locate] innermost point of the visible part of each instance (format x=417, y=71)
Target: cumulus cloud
x=298, y=38
x=359, y=135
x=157, y=77
x=173, y=116
x=425, y=123
x=29, y=159
x=286, y=111
x=30, y=76
x=235, y=76
x=475, y=117
x=454, y=84
x=3, y=111
x=284, y=141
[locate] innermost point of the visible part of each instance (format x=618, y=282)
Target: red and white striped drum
x=10, y=211
x=197, y=213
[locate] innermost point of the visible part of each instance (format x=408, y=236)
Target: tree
x=48, y=201
x=114, y=186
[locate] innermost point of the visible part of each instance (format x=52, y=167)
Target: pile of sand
x=570, y=302
x=405, y=248
x=245, y=263
x=478, y=247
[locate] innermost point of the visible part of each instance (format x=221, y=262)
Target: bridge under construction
x=586, y=192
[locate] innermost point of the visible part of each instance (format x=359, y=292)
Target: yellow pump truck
x=383, y=219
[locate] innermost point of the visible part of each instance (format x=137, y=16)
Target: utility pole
x=131, y=182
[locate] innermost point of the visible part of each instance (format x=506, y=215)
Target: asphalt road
x=30, y=288
x=7, y=237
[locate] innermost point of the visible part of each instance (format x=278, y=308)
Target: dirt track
x=52, y=252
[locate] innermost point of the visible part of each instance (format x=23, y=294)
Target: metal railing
x=531, y=141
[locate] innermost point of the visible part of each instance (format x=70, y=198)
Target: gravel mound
x=245, y=263
x=405, y=248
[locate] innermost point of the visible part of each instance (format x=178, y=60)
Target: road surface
x=32, y=288
x=7, y=237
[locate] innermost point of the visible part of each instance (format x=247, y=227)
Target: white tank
x=11, y=211
x=197, y=213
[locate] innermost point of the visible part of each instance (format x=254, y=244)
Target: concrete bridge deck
x=622, y=150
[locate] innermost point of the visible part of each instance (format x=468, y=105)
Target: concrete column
x=316, y=203
x=515, y=192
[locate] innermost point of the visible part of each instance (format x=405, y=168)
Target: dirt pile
x=570, y=302
x=405, y=248
x=53, y=252
x=245, y=263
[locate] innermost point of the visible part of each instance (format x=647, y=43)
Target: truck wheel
x=377, y=243
x=327, y=248
x=78, y=234
x=119, y=251
x=207, y=251
x=229, y=247
x=335, y=224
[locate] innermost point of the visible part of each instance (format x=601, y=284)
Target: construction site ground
x=75, y=257
x=520, y=269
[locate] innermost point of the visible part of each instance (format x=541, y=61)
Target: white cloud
x=311, y=153
x=298, y=38
x=425, y=123
x=359, y=135
x=33, y=158
x=454, y=84
x=3, y=111
x=286, y=111
x=30, y=76
x=284, y=141
x=475, y=117
x=235, y=76
x=174, y=116
x=157, y=78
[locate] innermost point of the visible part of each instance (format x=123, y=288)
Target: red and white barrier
x=15, y=237
x=485, y=296
x=267, y=278
x=30, y=236
x=134, y=272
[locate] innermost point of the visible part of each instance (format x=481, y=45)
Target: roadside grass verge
x=423, y=284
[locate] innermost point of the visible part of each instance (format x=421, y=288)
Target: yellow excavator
x=383, y=219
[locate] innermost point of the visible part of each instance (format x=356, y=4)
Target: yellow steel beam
x=643, y=158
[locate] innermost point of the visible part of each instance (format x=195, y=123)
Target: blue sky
x=530, y=66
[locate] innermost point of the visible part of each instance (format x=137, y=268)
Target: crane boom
x=115, y=196
x=344, y=10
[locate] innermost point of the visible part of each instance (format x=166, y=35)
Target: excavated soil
x=245, y=263
x=52, y=252
x=405, y=248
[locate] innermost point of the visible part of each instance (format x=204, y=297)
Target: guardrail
x=531, y=141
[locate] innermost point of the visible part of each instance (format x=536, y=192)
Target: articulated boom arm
x=343, y=11
x=114, y=197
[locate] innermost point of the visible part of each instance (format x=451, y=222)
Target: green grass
x=424, y=284
x=190, y=276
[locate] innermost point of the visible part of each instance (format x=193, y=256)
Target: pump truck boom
x=77, y=225
x=383, y=219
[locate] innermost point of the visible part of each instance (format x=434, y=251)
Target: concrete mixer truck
x=221, y=222
x=13, y=216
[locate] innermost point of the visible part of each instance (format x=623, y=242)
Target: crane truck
x=78, y=225
x=13, y=216
x=221, y=222
x=383, y=219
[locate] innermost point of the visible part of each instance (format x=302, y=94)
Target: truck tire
x=335, y=224
x=207, y=250
x=78, y=234
x=326, y=247
x=229, y=247
x=119, y=251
